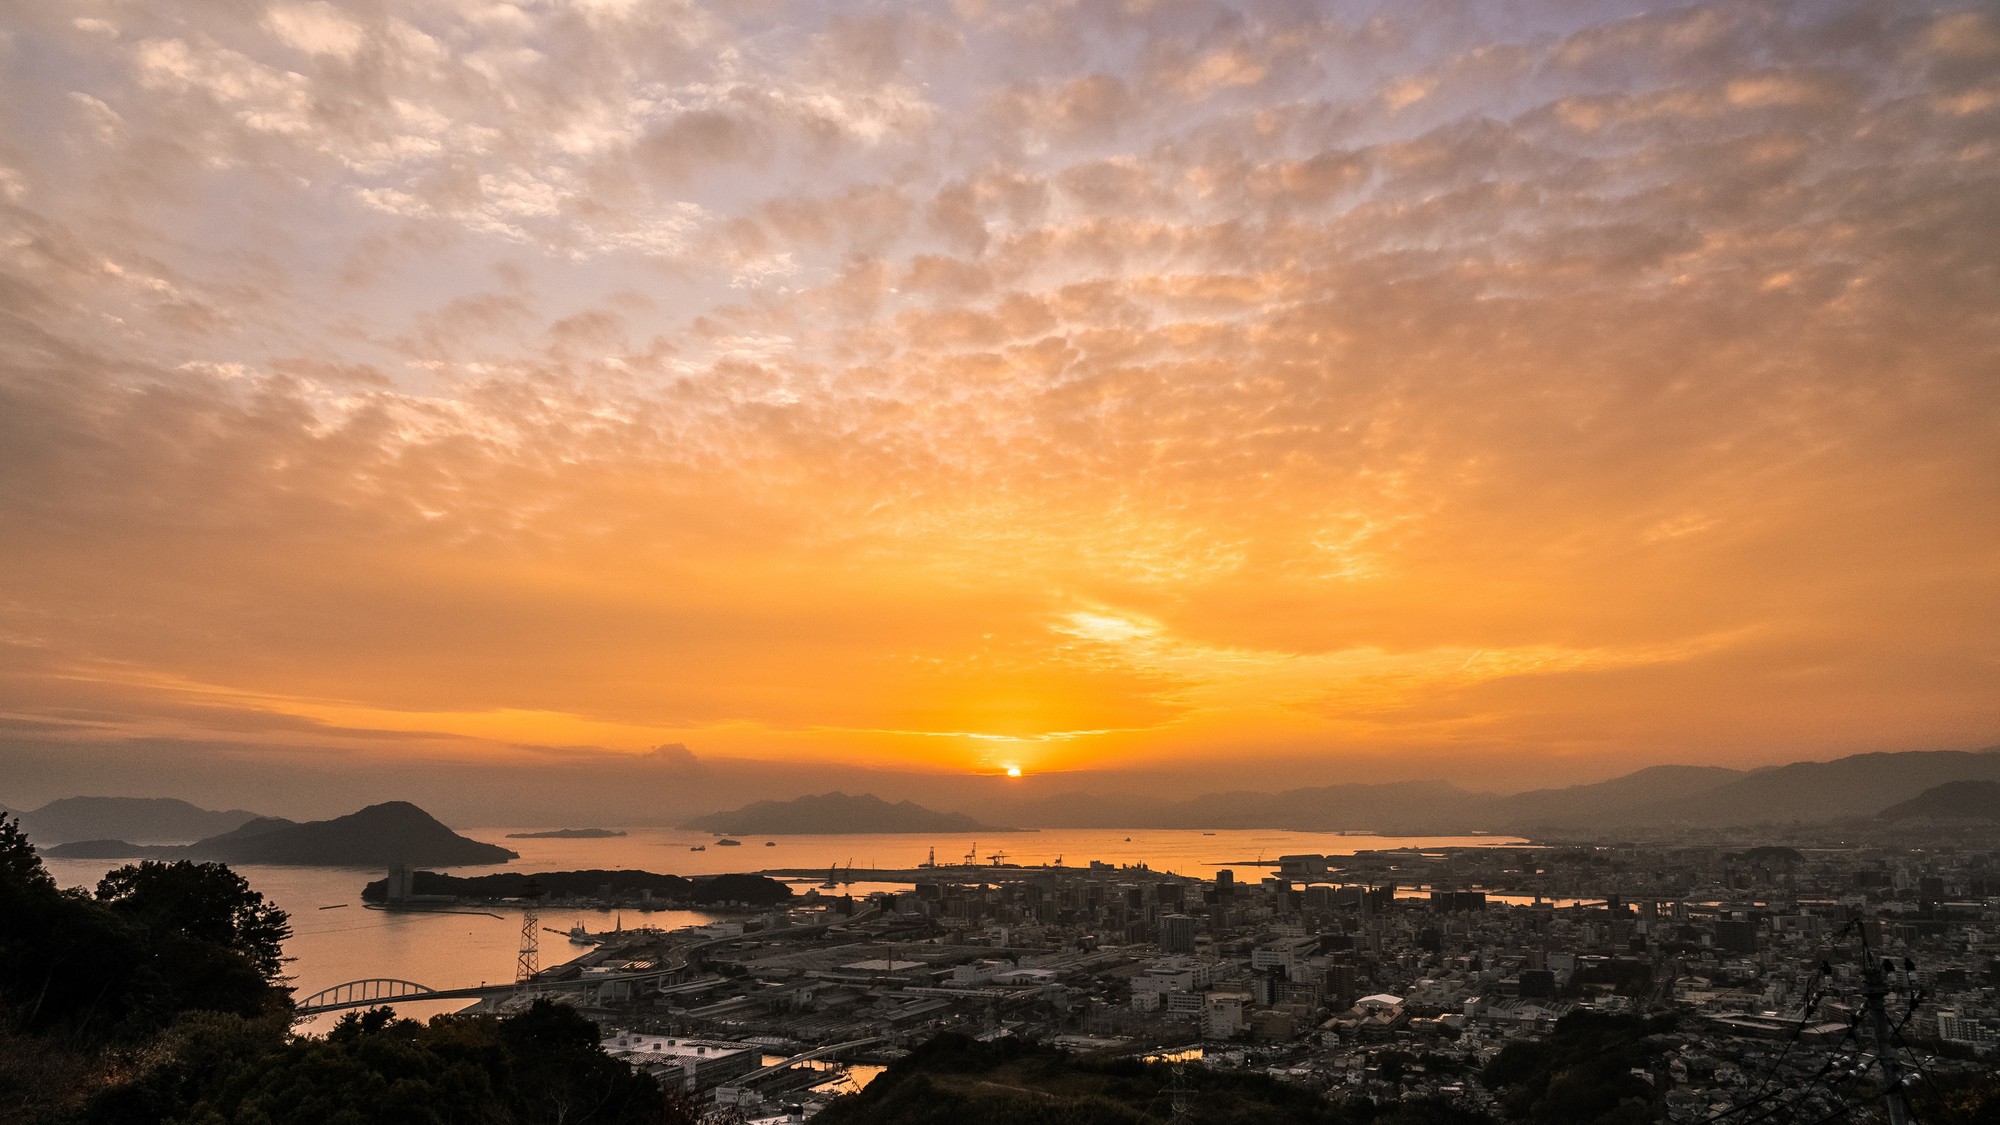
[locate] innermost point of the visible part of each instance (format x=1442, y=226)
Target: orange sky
x=949, y=386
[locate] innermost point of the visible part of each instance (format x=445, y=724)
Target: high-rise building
x=1176, y=933
x=1736, y=935
x=1342, y=983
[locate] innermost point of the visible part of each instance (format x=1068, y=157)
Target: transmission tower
x=530, y=961
x=1177, y=1094
x=1877, y=987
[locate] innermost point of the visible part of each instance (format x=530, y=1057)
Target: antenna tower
x=530, y=960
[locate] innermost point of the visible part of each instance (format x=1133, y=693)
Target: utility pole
x=1877, y=987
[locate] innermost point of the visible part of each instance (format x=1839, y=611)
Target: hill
x=378, y=836
x=1807, y=792
x=1396, y=806
x=147, y=820
x=1953, y=800
x=1657, y=796
x=954, y=1079
x=1604, y=803
x=837, y=814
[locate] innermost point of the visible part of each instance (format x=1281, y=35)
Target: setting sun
x=1013, y=771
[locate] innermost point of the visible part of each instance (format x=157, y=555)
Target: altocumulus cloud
x=821, y=380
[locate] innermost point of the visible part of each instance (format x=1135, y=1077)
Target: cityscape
x=1389, y=975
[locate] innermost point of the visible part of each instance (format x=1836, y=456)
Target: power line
x=1823, y=970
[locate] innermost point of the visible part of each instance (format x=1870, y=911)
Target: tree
x=201, y=902
x=64, y=960
x=542, y=1067
x=21, y=871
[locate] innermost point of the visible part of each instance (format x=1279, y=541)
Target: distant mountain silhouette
x=1658, y=796
x=1396, y=806
x=377, y=836
x=150, y=820
x=836, y=814
x=1808, y=792
x=1953, y=800
x=1605, y=802
x=392, y=832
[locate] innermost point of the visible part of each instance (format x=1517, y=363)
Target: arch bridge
x=377, y=991
x=356, y=993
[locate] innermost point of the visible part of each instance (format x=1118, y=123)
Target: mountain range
x=1857, y=786
x=836, y=814
x=144, y=820
x=377, y=836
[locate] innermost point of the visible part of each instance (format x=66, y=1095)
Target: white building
x=697, y=1064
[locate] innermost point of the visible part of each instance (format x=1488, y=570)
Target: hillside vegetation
x=955, y=1080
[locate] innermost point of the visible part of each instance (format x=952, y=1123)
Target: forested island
x=568, y=834
x=699, y=890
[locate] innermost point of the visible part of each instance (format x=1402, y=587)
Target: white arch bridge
x=388, y=991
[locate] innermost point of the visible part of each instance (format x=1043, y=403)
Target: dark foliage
x=756, y=889
x=953, y=1080
x=158, y=939
x=157, y=1000
x=1581, y=1074
x=1956, y=1099
x=514, y=884
x=541, y=1066
x=759, y=890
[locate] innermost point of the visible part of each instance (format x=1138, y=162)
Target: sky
x=1261, y=392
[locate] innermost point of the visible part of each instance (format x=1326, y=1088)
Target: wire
x=1832, y=1060
x=1824, y=969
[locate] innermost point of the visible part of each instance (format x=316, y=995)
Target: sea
x=336, y=939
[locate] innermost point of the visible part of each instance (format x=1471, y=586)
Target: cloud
x=768, y=382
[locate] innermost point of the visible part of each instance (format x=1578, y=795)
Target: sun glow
x=1013, y=771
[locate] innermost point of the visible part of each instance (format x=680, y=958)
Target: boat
x=770, y=843
x=726, y=842
x=699, y=848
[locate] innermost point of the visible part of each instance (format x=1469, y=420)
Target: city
x=1388, y=975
